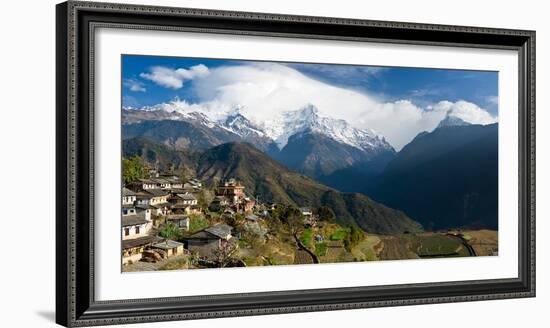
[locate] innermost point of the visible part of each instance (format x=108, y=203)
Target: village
x=171, y=223
x=165, y=218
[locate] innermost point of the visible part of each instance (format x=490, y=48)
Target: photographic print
x=237, y=163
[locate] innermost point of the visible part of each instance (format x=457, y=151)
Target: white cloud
x=174, y=78
x=263, y=91
x=134, y=85
x=466, y=111
x=493, y=100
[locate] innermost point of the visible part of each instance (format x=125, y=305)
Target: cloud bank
x=134, y=85
x=262, y=91
x=174, y=78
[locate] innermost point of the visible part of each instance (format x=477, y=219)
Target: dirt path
x=302, y=248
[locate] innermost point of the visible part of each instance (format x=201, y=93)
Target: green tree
x=170, y=231
x=132, y=169
x=204, y=198
x=354, y=237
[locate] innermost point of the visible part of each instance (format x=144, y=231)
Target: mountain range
x=445, y=178
x=302, y=139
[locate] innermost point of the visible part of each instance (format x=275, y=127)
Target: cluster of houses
x=149, y=203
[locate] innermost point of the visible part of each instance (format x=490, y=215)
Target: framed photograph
x=214, y=163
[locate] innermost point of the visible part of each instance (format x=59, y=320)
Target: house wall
x=129, y=211
x=128, y=200
x=134, y=254
x=143, y=230
x=205, y=248
x=159, y=200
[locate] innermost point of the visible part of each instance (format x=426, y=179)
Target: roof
x=132, y=220
x=203, y=235
x=305, y=209
x=157, y=192
x=168, y=244
x=221, y=230
x=187, y=196
x=161, y=180
x=127, y=192
x=162, y=205
x=142, y=241
x=143, y=195
x=147, y=181
x=178, y=190
x=176, y=206
x=143, y=207
x=177, y=217
x=218, y=231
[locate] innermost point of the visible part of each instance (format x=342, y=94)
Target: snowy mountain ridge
x=279, y=129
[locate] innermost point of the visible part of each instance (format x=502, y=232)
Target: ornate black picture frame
x=75, y=301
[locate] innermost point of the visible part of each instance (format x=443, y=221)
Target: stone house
x=206, y=242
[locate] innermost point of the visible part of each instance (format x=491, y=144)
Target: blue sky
x=396, y=102
x=422, y=86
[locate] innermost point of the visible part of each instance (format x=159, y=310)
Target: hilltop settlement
x=164, y=217
x=172, y=222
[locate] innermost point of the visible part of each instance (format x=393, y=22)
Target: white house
x=129, y=197
x=306, y=211
x=157, y=196
x=135, y=226
x=187, y=199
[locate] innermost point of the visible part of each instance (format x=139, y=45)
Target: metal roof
x=157, y=192
x=142, y=241
x=132, y=220
x=167, y=244
x=221, y=230
x=128, y=192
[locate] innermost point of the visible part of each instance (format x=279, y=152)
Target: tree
x=170, y=231
x=132, y=169
x=294, y=219
x=223, y=253
x=204, y=198
x=353, y=238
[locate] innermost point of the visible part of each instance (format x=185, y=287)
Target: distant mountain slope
x=270, y=181
x=323, y=158
x=446, y=178
x=154, y=153
x=178, y=134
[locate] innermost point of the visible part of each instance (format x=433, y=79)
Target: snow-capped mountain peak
x=279, y=128
x=451, y=120
x=241, y=126
x=308, y=118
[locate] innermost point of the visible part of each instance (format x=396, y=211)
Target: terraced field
x=484, y=242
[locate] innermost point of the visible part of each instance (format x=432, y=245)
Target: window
x=126, y=231
x=137, y=230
